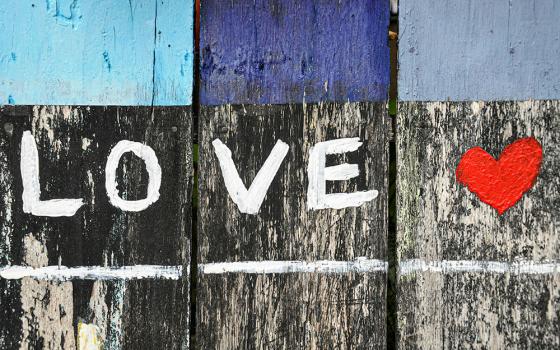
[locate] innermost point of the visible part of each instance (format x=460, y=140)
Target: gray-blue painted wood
x=468, y=50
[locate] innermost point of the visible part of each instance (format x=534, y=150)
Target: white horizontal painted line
x=62, y=273
x=321, y=266
x=360, y=265
x=407, y=267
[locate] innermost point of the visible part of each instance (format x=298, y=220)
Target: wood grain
x=439, y=219
x=299, y=310
x=73, y=145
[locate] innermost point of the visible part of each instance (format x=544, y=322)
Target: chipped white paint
x=63, y=273
x=406, y=267
x=318, y=173
x=147, y=154
x=88, y=337
x=45, y=123
x=6, y=209
x=29, y=164
x=455, y=266
x=91, y=184
x=249, y=201
x=85, y=143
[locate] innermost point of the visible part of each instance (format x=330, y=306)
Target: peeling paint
x=470, y=277
x=45, y=121
x=86, y=143
x=99, y=309
x=288, y=278
x=115, y=333
x=107, y=61
x=73, y=144
x=6, y=208
x=47, y=306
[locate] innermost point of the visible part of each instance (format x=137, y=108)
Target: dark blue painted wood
x=104, y=52
x=273, y=52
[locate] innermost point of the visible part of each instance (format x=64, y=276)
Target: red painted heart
x=501, y=183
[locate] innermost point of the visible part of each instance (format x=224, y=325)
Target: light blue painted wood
x=465, y=50
x=102, y=52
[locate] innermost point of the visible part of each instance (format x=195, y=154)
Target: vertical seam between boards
x=193, y=272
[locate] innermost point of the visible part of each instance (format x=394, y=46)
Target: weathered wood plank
x=440, y=220
x=284, y=227
x=277, y=78
x=73, y=146
x=299, y=310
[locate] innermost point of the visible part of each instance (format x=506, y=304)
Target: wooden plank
x=315, y=311
x=61, y=63
x=280, y=77
x=471, y=275
x=484, y=305
x=299, y=310
x=73, y=144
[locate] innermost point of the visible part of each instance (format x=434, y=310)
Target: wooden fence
x=217, y=175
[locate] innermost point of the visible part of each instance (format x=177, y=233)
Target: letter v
x=249, y=201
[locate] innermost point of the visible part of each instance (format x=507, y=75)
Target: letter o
x=147, y=154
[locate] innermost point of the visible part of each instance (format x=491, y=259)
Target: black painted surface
x=73, y=145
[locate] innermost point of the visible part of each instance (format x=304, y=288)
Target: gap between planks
x=360, y=265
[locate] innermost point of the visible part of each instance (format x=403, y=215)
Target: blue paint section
x=464, y=50
x=103, y=52
x=172, y=57
x=273, y=52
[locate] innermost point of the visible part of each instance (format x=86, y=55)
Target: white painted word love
x=249, y=200
x=29, y=165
